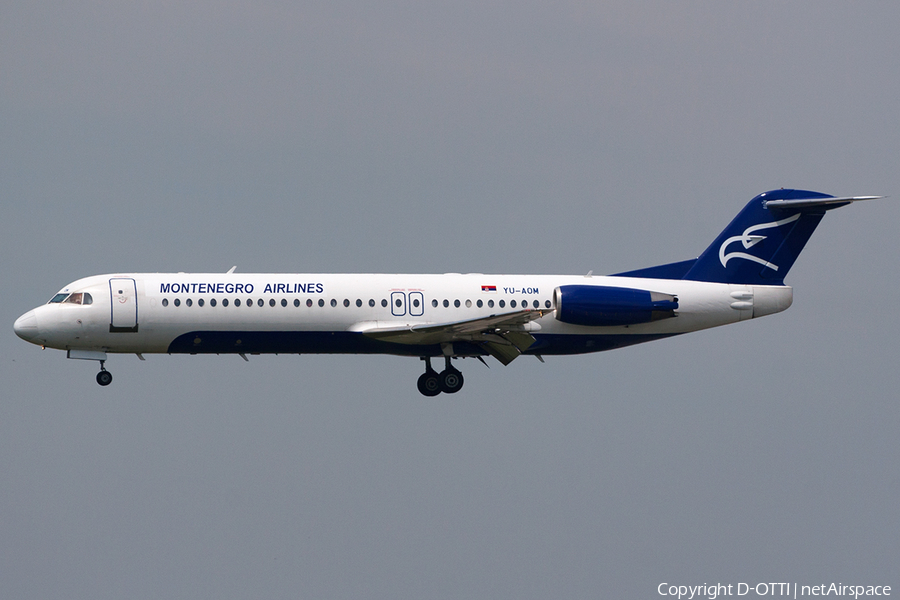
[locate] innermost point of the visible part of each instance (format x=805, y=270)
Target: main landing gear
x=432, y=383
x=104, y=377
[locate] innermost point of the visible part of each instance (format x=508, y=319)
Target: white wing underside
x=504, y=336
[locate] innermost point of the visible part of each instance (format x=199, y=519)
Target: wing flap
x=504, y=353
x=508, y=347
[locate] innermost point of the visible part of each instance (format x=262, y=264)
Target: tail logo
x=748, y=239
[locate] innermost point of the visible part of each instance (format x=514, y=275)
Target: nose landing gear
x=104, y=377
x=432, y=383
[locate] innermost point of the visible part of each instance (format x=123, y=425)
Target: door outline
x=398, y=311
x=123, y=307
x=416, y=311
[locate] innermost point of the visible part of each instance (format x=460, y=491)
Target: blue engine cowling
x=603, y=306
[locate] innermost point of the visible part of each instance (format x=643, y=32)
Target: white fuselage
x=307, y=313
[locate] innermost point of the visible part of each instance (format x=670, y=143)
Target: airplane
x=740, y=276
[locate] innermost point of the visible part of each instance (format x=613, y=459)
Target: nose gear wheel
x=104, y=377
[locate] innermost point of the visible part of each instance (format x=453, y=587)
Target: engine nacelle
x=603, y=306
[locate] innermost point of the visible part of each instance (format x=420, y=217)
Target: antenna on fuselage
x=231, y=270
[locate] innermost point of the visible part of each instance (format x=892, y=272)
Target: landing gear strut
x=104, y=377
x=432, y=383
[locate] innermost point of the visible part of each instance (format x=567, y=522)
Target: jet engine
x=604, y=306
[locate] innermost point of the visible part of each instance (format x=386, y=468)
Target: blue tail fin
x=761, y=243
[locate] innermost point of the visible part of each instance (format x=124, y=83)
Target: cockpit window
x=77, y=298
x=58, y=298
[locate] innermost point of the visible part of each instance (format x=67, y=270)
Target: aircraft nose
x=26, y=326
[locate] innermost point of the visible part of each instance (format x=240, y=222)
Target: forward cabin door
x=123, y=299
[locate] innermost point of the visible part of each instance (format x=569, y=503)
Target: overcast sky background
x=350, y=136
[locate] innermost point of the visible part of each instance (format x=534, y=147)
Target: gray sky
x=408, y=137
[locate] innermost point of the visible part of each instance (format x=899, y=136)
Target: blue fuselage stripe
x=342, y=342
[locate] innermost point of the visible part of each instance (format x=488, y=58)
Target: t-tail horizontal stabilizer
x=760, y=245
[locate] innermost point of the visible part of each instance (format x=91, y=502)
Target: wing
x=503, y=336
